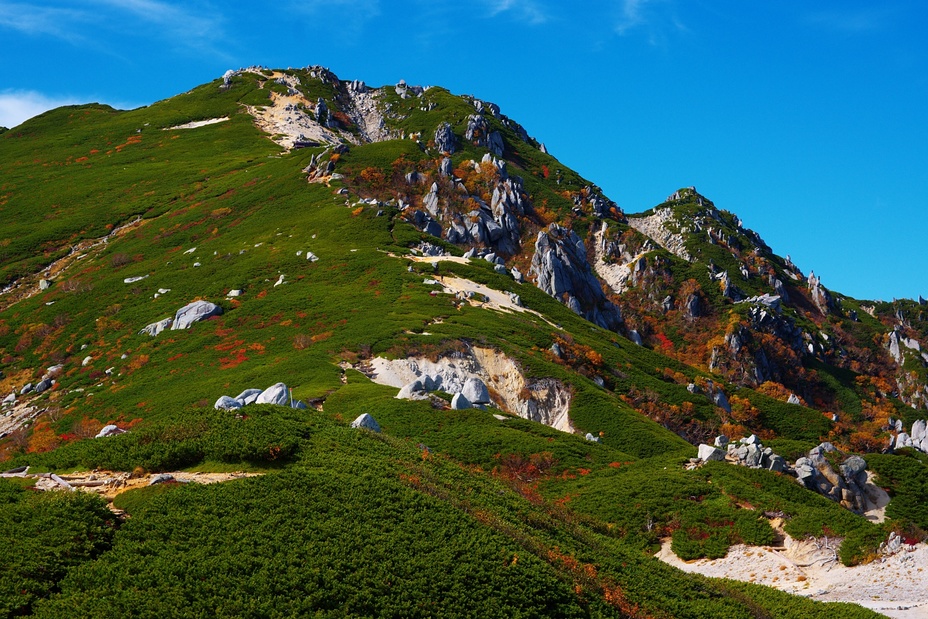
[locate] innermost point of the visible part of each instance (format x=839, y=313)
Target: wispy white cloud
x=851, y=20
x=193, y=20
x=530, y=10
x=34, y=19
x=182, y=24
x=654, y=18
x=17, y=106
x=342, y=19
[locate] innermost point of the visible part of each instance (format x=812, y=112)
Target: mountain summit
x=462, y=381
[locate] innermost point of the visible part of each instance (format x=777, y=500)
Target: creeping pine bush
x=267, y=434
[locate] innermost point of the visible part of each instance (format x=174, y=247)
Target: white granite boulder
x=367, y=422
x=275, y=394
x=194, y=312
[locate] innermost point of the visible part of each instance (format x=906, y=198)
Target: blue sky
x=807, y=119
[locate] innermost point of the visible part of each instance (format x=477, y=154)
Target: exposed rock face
x=916, y=439
x=194, y=312
x=480, y=134
x=445, y=140
x=593, y=199
x=661, y=226
x=544, y=400
x=744, y=360
x=820, y=296
x=845, y=486
x=562, y=271
x=495, y=225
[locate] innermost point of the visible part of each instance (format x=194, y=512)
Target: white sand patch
x=896, y=586
x=198, y=123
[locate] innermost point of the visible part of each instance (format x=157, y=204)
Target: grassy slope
x=227, y=192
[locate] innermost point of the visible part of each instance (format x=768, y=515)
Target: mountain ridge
x=451, y=249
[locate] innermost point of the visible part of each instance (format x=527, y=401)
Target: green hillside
x=111, y=221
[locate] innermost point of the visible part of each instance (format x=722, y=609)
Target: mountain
x=467, y=382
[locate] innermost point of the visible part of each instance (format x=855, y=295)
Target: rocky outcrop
x=560, y=268
x=278, y=394
x=494, y=225
x=820, y=296
x=479, y=133
x=543, y=400
x=662, y=226
x=917, y=438
x=845, y=486
x=445, y=140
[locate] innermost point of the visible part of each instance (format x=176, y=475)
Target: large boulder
x=110, y=430
x=460, y=402
x=367, y=422
x=476, y=391
x=194, y=312
x=413, y=390
x=708, y=453
x=275, y=394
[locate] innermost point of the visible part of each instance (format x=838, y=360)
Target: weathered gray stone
x=275, y=394
x=592, y=438
x=476, y=391
x=414, y=390
x=248, y=396
x=43, y=385
x=777, y=464
x=110, y=430
x=708, y=453
x=11, y=398
x=721, y=400
x=919, y=430
x=793, y=399
x=194, y=312
x=445, y=141
x=157, y=327
x=26, y=389
x=227, y=404
x=721, y=441
x=460, y=402
x=854, y=468
x=367, y=422
x=561, y=268
x=445, y=167
x=160, y=479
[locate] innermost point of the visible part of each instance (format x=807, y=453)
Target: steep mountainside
x=471, y=384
